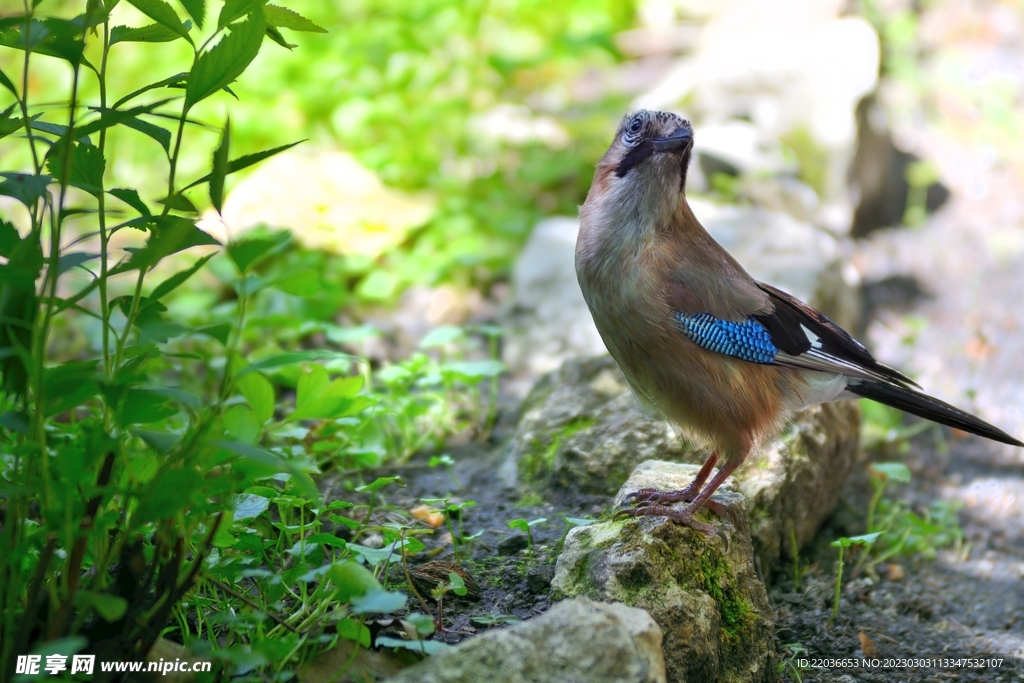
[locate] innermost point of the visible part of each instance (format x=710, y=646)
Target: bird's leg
x=687, y=514
x=652, y=495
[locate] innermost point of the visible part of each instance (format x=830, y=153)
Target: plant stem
x=839, y=582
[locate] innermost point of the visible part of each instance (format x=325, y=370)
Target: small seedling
x=571, y=522
x=524, y=526
x=791, y=663
x=795, y=551
x=448, y=463
x=456, y=585
x=843, y=543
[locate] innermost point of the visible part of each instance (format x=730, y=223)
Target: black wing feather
x=833, y=349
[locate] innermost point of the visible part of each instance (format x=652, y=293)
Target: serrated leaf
x=27, y=188
x=174, y=281
x=170, y=235
x=7, y=83
x=162, y=13
x=112, y=117
x=246, y=161
x=142, y=406
x=236, y=9
x=174, y=80
x=248, y=251
x=220, y=169
x=196, y=9
x=283, y=17
x=151, y=130
x=130, y=197
x=259, y=394
x=61, y=38
x=86, y=167
x=179, y=202
x=220, y=66
x=275, y=35
x=153, y=33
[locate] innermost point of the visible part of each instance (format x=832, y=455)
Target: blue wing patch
x=748, y=340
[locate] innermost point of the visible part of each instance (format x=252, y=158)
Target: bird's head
x=643, y=173
x=649, y=147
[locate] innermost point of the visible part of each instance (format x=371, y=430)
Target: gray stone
x=581, y=429
x=513, y=544
x=707, y=598
x=538, y=578
x=576, y=641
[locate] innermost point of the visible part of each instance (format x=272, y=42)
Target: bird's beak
x=675, y=142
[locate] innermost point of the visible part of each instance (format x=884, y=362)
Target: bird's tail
x=922, y=405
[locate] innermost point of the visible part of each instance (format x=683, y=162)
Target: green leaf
x=112, y=117
x=161, y=135
x=272, y=460
x=378, y=601
x=176, y=280
x=474, y=370
x=110, y=607
x=179, y=202
x=294, y=357
x=25, y=187
x=196, y=9
x=161, y=442
x=246, y=161
x=72, y=260
x=174, y=80
x=86, y=168
x=131, y=197
x=355, y=630
x=60, y=38
x=236, y=9
x=7, y=83
x=68, y=386
x=846, y=542
x=170, y=235
x=283, y=17
x=379, y=285
x=425, y=647
x=379, y=483
x=248, y=251
x=9, y=239
x=217, y=68
x=162, y=13
x=241, y=424
x=440, y=336
x=303, y=283
x=259, y=394
x=153, y=33
x=457, y=583
x=275, y=35
x=170, y=493
x=896, y=471
x=249, y=506
x=318, y=398
x=352, y=580
x=520, y=524
x=579, y=521
x=141, y=406
x=220, y=169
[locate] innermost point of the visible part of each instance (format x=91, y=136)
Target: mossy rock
x=711, y=607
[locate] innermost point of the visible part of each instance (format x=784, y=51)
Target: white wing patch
x=814, y=339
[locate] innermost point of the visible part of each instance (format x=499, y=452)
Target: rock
x=548, y=322
x=538, y=578
x=327, y=199
x=545, y=316
x=513, y=544
x=707, y=599
x=581, y=429
x=576, y=641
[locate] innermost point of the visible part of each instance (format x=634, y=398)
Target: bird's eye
x=633, y=130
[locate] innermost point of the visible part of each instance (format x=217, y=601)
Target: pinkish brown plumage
x=727, y=359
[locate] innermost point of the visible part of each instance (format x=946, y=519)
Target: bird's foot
x=685, y=516
x=658, y=497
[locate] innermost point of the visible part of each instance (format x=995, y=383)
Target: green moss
x=737, y=614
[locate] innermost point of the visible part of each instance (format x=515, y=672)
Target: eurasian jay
x=727, y=359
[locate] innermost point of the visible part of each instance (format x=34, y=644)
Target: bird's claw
x=684, y=517
x=653, y=495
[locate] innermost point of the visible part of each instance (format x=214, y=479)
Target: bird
x=727, y=359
